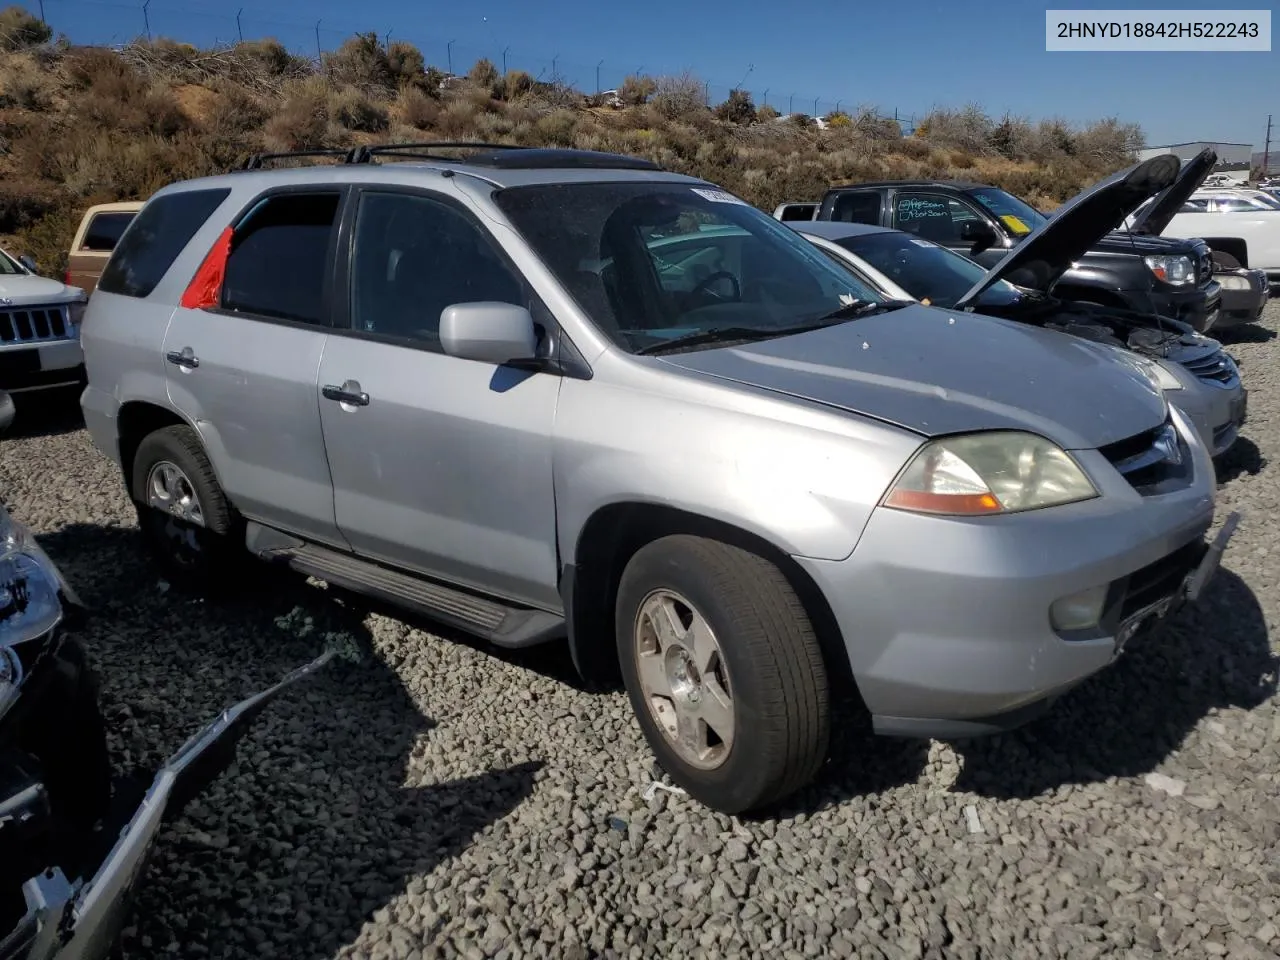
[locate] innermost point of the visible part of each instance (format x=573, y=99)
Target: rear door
x=243, y=367
x=942, y=219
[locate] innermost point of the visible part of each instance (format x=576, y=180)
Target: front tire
x=185, y=518
x=724, y=671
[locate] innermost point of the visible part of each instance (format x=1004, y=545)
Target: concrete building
x=1234, y=159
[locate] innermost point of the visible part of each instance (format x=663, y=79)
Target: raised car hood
x=939, y=372
x=1156, y=217
x=1048, y=252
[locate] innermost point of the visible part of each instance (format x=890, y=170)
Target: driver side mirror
x=979, y=234
x=30, y=264
x=6, y=412
x=489, y=332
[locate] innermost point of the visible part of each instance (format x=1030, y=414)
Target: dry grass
x=81, y=125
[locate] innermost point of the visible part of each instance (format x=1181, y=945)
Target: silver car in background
x=549, y=395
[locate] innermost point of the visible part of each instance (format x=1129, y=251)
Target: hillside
x=82, y=125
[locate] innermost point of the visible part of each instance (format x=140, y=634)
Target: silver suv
x=496, y=386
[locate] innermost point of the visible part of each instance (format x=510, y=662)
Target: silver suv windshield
x=652, y=263
x=9, y=266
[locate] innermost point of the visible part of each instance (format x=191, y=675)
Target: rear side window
x=154, y=239
x=105, y=230
x=279, y=256
x=861, y=207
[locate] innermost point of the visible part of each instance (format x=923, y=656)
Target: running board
x=501, y=624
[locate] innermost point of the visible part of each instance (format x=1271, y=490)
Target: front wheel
x=724, y=671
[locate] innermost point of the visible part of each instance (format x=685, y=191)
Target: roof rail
x=419, y=150
x=256, y=161
x=503, y=156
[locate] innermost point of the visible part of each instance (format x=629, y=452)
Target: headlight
x=76, y=309
x=29, y=585
x=981, y=473
x=1161, y=376
x=1177, y=271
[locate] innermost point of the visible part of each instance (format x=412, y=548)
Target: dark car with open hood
x=1148, y=275
x=73, y=839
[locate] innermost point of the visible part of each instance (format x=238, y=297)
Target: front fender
x=802, y=478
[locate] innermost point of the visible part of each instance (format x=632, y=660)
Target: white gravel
x=440, y=800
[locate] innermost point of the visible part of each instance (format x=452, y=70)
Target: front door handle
x=349, y=392
x=184, y=358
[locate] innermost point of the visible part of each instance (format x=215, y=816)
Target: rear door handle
x=349, y=392
x=183, y=358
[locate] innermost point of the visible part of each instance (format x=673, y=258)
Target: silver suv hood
x=939, y=372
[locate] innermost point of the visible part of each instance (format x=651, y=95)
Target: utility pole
x=1266, y=150
x=239, y=29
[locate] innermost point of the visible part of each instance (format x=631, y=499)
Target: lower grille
x=1159, y=580
x=1214, y=368
x=33, y=325
x=1154, y=461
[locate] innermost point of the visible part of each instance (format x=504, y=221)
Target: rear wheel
x=185, y=518
x=723, y=670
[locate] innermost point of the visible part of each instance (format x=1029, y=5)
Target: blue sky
x=907, y=55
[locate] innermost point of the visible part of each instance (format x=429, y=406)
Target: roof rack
x=503, y=156
x=256, y=161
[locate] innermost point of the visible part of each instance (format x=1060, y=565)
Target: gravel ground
x=438, y=799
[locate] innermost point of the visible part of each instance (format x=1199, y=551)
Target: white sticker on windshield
x=919, y=243
x=718, y=196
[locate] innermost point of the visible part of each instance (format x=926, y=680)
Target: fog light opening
x=1079, y=611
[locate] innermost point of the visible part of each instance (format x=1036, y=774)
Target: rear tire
x=739, y=654
x=186, y=521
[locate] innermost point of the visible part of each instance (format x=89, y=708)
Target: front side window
x=9, y=266
x=154, y=238
x=1018, y=216
x=651, y=262
x=279, y=258
x=413, y=258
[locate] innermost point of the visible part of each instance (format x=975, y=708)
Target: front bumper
x=1199, y=308
x=40, y=366
x=1217, y=412
x=946, y=621
x=1244, y=296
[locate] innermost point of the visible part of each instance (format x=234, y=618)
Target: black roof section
x=497, y=156
x=954, y=184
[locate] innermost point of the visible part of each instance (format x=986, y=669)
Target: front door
x=440, y=465
x=244, y=369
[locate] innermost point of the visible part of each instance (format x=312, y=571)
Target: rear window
x=105, y=230
x=279, y=257
x=154, y=239
x=861, y=207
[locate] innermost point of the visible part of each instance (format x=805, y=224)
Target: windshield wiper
x=859, y=308
x=714, y=335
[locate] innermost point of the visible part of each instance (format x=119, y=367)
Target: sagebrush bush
x=737, y=108
x=417, y=109
x=636, y=91
x=352, y=110
x=20, y=30
x=677, y=98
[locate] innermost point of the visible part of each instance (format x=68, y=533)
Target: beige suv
x=95, y=238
